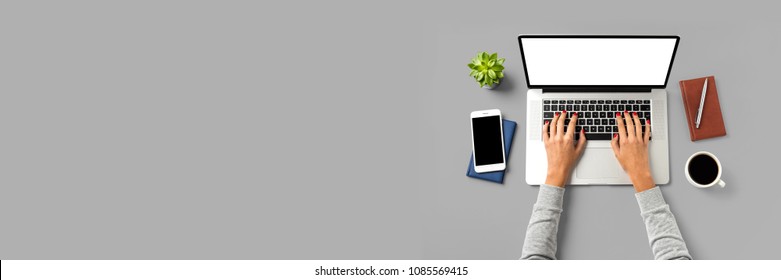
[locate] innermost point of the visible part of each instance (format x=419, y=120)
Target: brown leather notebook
x=712, y=123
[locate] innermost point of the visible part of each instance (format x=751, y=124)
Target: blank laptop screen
x=598, y=61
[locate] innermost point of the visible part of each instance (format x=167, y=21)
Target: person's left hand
x=561, y=148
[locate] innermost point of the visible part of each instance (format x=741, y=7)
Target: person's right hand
x=630, y=146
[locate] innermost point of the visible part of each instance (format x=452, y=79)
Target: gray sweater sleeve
x=540, y=243
x=663, y=235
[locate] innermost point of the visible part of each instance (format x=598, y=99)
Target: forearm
x=540, y=242
x=663, y=234
x=642, y=181
x=556, y=177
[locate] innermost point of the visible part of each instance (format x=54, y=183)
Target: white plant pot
x=494, y=85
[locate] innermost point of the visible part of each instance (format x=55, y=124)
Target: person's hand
x=630, y=146
x=561, y=148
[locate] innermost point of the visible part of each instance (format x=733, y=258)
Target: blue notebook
x=508, y=128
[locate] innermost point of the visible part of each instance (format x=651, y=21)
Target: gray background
x=339, y=130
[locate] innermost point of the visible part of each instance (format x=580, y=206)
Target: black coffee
x=703, y=169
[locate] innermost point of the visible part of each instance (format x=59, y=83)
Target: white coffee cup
x=705, y=173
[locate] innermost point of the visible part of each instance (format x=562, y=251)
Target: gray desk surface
x=340, y=131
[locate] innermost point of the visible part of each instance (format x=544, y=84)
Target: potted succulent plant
x=487, y=69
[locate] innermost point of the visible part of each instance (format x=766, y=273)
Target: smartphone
x=488, y=141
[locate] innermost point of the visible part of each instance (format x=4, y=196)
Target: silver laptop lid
x=597, y=62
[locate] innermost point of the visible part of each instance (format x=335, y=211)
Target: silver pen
x=702, y=102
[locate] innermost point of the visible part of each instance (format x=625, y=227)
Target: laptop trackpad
x=598, y=163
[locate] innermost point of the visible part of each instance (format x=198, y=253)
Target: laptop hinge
x=596, y=89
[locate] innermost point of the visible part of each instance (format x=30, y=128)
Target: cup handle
x=722, y=184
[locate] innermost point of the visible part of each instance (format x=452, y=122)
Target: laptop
x=597, y=76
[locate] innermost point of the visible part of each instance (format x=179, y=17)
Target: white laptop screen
x=552, y=61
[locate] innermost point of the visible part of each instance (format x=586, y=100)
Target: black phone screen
x=487, y=137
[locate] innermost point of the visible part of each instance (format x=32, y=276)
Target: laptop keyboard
x=596, y=116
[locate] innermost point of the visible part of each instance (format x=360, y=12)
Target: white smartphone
x=488, y=140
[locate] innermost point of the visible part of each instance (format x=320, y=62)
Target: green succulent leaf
x=486, y=68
